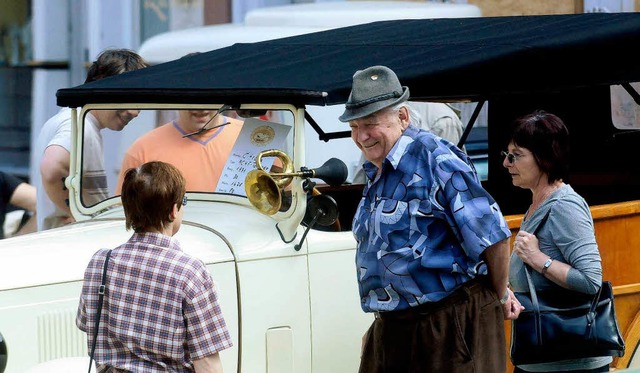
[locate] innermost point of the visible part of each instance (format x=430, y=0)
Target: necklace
x=541, y=197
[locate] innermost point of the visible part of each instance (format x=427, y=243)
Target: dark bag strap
x=591, y=315
x=532, y=289
x=101, y=291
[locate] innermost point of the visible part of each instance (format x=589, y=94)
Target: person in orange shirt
x=198, y=143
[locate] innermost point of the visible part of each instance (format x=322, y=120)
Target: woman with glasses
x=564, y=254
x=160, y=310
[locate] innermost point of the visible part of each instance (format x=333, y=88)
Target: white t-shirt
x=94, y=176
x=57, y=131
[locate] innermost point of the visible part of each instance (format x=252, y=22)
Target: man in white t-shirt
x=54, y=146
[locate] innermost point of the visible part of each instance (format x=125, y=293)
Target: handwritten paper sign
x=256, y=135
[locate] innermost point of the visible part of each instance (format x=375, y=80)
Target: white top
x=56, y=131
x=94, y=176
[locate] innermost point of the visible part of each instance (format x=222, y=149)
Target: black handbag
x=562, y=324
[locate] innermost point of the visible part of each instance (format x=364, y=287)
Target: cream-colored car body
x=287, y=310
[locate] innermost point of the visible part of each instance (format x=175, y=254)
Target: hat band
x=373, y=99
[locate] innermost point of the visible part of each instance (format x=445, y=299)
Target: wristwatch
x=546, y=266
x=505, y=297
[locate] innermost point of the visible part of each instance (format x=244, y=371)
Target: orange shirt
x=200, y=158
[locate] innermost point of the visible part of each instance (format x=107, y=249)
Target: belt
x=460, y=295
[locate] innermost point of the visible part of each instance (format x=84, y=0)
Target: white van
x=349, y=13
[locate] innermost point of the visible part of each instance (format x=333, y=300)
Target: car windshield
x=214, y=147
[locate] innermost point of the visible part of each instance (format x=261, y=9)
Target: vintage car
x=285, y=269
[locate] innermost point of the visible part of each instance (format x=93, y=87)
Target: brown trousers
x=464, y=332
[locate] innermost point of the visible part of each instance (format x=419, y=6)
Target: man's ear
x=403, y=114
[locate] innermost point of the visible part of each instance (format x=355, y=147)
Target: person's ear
x=174, y=212
x=403, y=114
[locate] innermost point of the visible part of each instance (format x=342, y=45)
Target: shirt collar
x=396, y=152
x=157, y=239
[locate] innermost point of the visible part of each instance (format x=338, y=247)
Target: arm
x=527, y=247
x=54, y=168
x=29, y=227
x=24, y=196
x=568, y=236
x=208, y=364
x=497, y=258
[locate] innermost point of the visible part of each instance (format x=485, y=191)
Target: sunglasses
x=184, y=201
x=511, y=158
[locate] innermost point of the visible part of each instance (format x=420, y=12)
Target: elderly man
x=432, y=245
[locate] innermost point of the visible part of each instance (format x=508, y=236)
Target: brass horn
x=264, y=189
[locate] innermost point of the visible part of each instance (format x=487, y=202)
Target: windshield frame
x=74, y=181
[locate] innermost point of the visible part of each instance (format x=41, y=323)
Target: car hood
x=212, y=231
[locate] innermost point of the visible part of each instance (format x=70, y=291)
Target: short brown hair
x=113, y=62
x=149, y=193
x=547, y=138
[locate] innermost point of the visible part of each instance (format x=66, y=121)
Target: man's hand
x=497, y=258
x=512, y=307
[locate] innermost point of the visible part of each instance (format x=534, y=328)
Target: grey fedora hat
x=373, y=89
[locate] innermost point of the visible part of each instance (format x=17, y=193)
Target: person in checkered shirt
x=160, y=310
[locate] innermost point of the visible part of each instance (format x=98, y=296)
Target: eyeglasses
x=184, y=201
x=511, y=158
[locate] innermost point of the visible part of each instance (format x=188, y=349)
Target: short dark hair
x=547, y=137
x=113, y=62
x=149, y=193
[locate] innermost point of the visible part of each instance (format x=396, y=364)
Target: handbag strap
x=532, y=289
x=101, y=291
x=591, y=315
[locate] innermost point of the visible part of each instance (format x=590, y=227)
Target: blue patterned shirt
x=422, y=225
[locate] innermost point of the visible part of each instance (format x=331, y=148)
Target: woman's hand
x=526, y=247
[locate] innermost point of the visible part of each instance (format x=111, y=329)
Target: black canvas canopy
x=439, y=59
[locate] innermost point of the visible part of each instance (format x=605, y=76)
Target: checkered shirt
x=160, y=309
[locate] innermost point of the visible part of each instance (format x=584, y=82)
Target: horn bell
x=263, y=192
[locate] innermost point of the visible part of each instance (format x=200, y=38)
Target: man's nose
x=133, y=113
x=363, y=135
